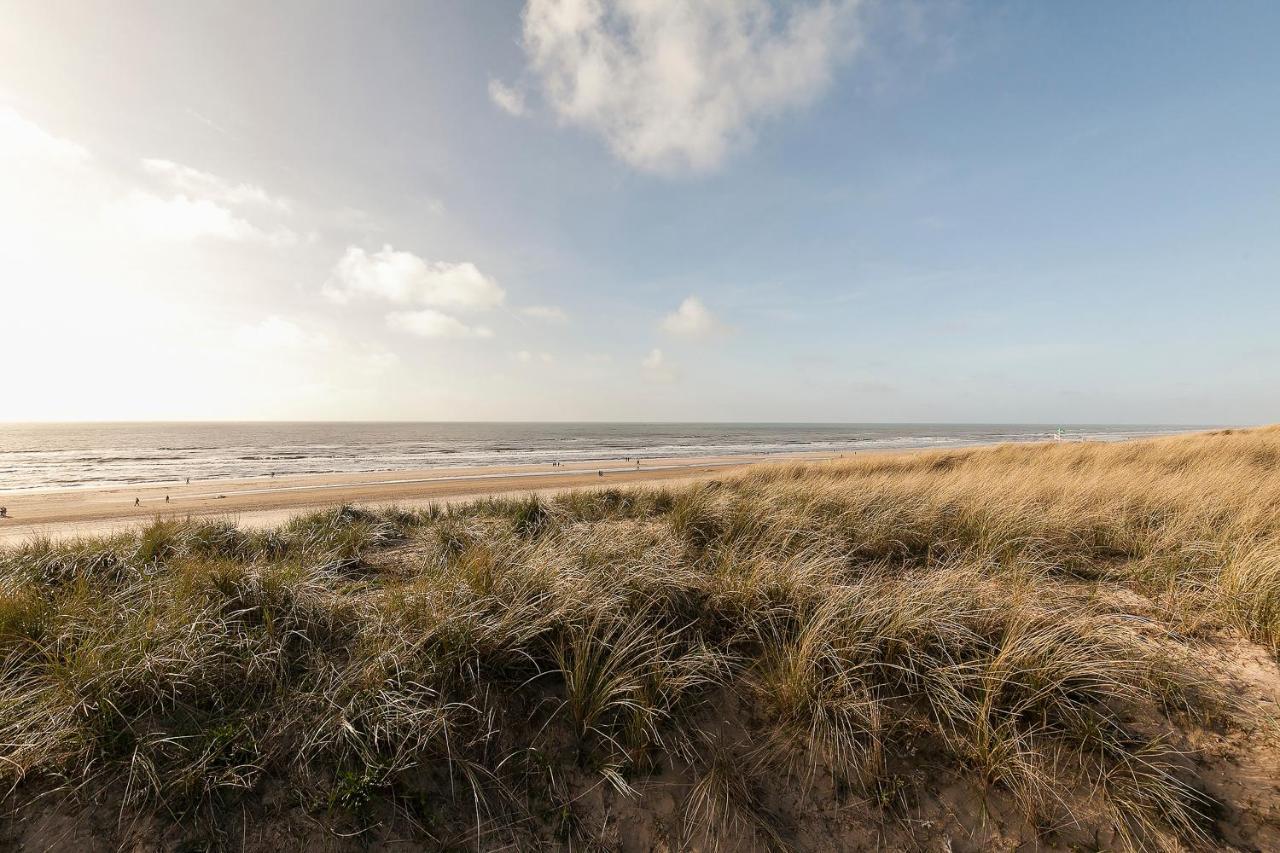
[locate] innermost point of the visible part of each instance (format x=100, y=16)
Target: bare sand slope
x=261, y=501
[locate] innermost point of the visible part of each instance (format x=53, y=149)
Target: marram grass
x=715, y=663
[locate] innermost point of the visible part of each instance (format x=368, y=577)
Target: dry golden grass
x=801, y=643
x=1194, y=519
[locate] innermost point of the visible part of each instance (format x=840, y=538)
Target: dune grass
x=1021, y=620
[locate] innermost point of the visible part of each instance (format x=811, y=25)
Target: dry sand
x=266, y=501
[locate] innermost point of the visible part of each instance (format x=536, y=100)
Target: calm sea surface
x=42, y=456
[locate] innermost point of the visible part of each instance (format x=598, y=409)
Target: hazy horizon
x=569, y=211
x=179, y=421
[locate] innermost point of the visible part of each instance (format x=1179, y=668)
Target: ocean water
x=58, y=456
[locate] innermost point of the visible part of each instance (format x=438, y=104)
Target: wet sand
x=265, y=501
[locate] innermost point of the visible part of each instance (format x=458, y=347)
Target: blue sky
x=831, y=211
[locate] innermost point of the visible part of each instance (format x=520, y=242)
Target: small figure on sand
x=137, y=501
x=188, y=481
x=4, y=512
x=601, y=473
x=166, y=498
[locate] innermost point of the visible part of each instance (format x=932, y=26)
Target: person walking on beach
x=137, y=501
x=166, y=498
x=4, y=512
x=188, y=481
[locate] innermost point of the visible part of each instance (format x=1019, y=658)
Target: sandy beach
x=266, y=501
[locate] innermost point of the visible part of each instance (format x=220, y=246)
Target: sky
x=715, y=210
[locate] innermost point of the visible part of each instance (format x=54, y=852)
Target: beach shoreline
x=267, y=500
x=259, y=502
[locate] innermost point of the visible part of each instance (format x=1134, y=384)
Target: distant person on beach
x=166, y=498
x=188, y=481
x=601, y=473
x=4, y=512
x=137, y=501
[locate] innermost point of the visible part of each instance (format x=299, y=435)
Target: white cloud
x=675, y=86
x=185, y=218
x=433, y=324
x=509, y=99
x=208, y=186
x=20, y=138
x=657, y=368
x=405, y=278
x=549, y=313
x=691, y=320
x=203, y=205
x=526, y=357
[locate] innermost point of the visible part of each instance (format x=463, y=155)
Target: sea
x=86, y=455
